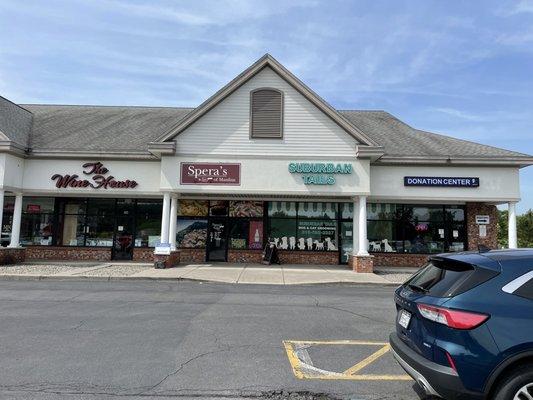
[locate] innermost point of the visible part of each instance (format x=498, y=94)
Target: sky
x=462, y=68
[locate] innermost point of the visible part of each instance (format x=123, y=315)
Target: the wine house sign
x=96, y=179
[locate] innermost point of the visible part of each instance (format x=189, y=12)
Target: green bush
x=524, y=225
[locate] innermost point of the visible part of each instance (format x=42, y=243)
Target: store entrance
x=123, y=242
x=217, y=243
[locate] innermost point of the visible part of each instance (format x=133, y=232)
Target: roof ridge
x=15, y=104
x=369, y=111
x=102, y=106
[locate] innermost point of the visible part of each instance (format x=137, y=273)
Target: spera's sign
x=319, y=173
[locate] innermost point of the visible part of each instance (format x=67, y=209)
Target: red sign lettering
x=97, y=181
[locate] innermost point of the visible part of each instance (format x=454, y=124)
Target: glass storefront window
x=283, y=233
x=101, y=207
x=346, y=210
x=72, y=229
x=455, y=213
x=424, y=237
x=281, y=209
x=99, y=231
x=193, y=208
x=317, y=235
x=423, y=213
x=72, y=206
x=218, y=208
x=250, y=209
x=346, y=240
x=317, y=210
x=238, y=235
x=148, y=222
x=36, y=229
x=38, y=205
x=383, y=237
x=381, y=211
x=191, y=233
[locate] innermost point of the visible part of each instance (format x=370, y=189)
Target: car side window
x=526, y=290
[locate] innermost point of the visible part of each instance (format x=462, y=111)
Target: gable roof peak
x=268, y=60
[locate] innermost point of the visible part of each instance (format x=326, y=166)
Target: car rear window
x=440, y=279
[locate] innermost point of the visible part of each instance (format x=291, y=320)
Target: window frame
x=282, y=114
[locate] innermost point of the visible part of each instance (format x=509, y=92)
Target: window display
x=283, y=233
x=251, y=209
x=191, y=233
x=218, y=208
x=317, y=210
x=193, y=208
x=317, y=235
x=281, y=209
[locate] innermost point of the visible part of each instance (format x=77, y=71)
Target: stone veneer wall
x=12, y=255
x=491, y=241
x=309, y=257
x=68, y=253
x=245, y=256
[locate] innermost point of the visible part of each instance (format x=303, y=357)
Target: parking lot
x=145, y=339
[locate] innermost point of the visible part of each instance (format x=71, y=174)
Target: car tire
x=513, y=382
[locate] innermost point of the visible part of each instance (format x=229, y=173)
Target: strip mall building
x=263, y=159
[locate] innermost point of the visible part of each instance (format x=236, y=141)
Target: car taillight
x=452, y=318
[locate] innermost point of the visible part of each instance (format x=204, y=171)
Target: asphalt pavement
x=159, y=339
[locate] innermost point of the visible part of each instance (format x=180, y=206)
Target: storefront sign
x=210, y=174
x=440, y=181
x=482, y=219
x=98, y=179
x=319, y=173
x=162, y=249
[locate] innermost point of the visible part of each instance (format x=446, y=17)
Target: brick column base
x=12, y=255
x=361, y=263
x=169, y=260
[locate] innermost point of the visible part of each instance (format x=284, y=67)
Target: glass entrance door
x=217, y=240
x=123, y=243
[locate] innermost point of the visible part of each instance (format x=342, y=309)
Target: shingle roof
x=15, y=122
x=131, y=129
x=100, y=128
x=399, y=139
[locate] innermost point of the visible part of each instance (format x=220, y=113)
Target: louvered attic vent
x=266, y=113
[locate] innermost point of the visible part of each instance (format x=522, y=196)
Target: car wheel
x=517, y=385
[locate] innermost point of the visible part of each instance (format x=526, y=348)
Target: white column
x=165, y=218
x=1, y=210
x=513, y=240
x=355, y=229
x=17, y=215
x=173, y=222
x=363, y=242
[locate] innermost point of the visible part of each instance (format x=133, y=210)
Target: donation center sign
x=319, y=173
x=440, y=181
x=210, y=174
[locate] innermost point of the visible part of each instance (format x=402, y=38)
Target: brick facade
x=68, y=253
x=170, y=260
x=245, y=256
x=309, y=257
x=362, y=264
x=12, y=255
x=192, y=255
x=399, y=260
x=491, y=241
x=143, y=254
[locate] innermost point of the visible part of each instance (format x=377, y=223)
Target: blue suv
x=464, y=328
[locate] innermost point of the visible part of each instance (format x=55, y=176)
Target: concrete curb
x=178, y=279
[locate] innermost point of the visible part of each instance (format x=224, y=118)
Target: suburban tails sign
x=96, y=177
x=210, y=174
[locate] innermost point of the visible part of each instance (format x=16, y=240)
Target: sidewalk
x=209, y=272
